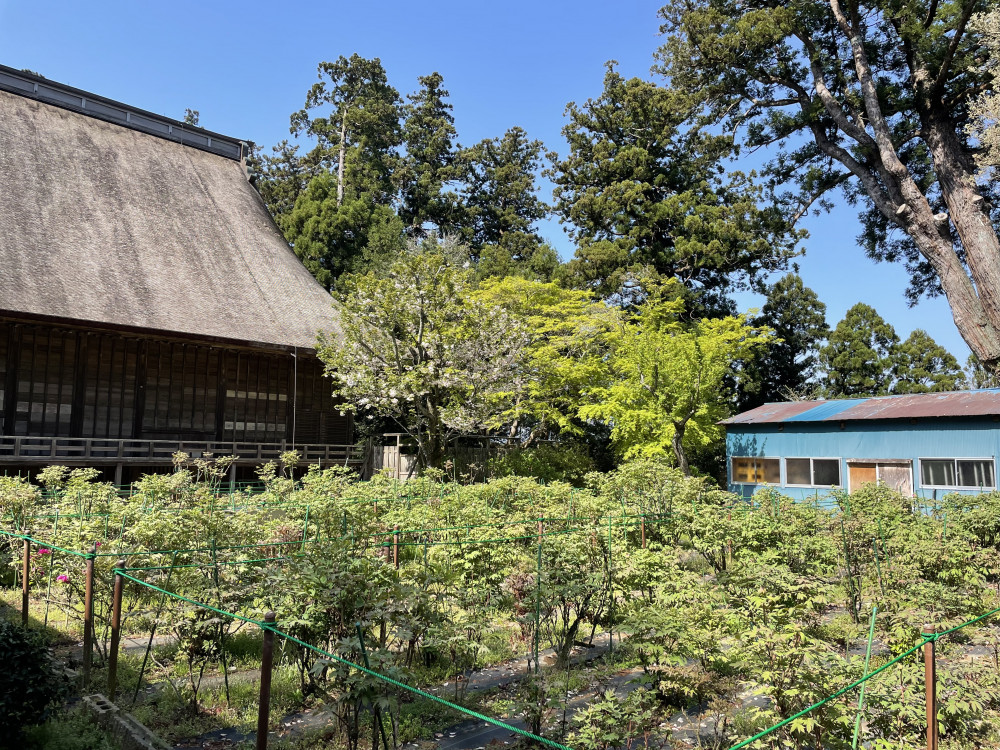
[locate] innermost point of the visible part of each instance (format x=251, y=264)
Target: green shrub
x=548, y=462
x=29, y=687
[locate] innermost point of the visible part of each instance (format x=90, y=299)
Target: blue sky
x=246, y=66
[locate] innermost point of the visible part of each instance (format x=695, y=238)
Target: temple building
x=148, y=302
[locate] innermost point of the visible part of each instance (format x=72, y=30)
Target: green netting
x=371, y=672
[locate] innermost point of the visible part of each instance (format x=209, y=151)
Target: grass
x=68, y=730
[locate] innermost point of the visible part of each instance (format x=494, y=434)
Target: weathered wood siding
x=74, y=382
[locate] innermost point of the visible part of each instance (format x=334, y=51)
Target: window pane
x=797, y=471
x=743, y=471
x=937, y=473
x=770, y=468
x=975, y=474
x=826, y=472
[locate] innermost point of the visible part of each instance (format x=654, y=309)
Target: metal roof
x=980, y=403
x=33, y=86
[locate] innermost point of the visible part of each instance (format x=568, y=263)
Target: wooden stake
x=88, y=616
x=266, y=662
x=116, y=630
x=642, y=529
x=930, y=684
x=25, y=578
x=395, y=546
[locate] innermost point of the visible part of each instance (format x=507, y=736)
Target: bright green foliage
x=871, y=97
x=667, y=380
x=717, y=596
x=415, y=346
x=789, y=365
x=924, y=366
x=567, y=333
x=501, y=201
x=429, y=163
x=638, y=189
x=859, y=359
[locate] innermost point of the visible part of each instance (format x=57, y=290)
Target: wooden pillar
x=266, y=661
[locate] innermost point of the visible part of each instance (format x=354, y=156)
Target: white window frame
x=812, y=475
x=756, y=458
x=955, y=460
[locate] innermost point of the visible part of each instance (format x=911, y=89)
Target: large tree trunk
x=973, y=293
x=340, y=159
x=677, y=443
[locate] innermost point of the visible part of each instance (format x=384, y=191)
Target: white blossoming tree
x=417, y=347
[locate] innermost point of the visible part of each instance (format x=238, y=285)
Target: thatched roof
x=103, y=223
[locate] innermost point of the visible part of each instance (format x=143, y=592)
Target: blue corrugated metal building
x=926, y=444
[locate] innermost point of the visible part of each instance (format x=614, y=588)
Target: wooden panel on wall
x=74, y=382
x=257, y=388
x=4, y=337
x=180, y=391
x=45, y=381
x=109, y=386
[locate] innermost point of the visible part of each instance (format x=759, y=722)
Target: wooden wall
x=74, y=382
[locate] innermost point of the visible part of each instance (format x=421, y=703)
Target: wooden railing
x=100, y=450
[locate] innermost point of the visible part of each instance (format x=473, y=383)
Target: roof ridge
x=33, y=86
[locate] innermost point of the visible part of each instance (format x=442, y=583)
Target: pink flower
x=44, y=551
x=62, y=578
x=98, y=544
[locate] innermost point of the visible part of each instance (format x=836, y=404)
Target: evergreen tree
x=785, y=367
x=924, y=366
x=860, y=357
x=501, y=199
x=429, y=164
x=349, y=191
x=358, y=134
x=977, y=376
x=280, y=178
x=641, y=190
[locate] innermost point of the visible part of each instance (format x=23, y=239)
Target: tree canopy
x=666, y=390
x=870, y=96
x=640, y=189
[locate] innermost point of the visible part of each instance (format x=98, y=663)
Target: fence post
x=266, y=661
x=26, y=577
x=538, y=593
x=930, y=685
x=395, y=546
x=642, y=529
x=88, y=616
x=116, y=629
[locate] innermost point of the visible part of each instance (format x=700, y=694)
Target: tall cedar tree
x=924, y=366
x=860, y=358
x=429, y=165
x=871, y=96
x=789, y=364
x=500, y=195
x=353, y=160
x=639, y=189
